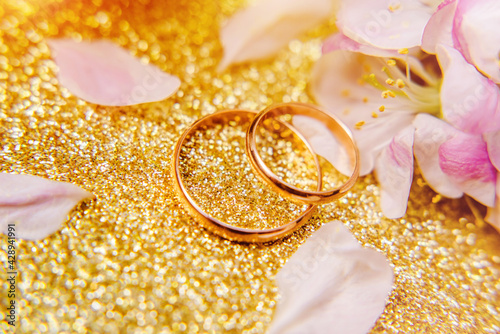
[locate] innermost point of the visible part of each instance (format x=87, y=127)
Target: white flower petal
x=35, y=205
x=103, y=73
x=384, y=24
x=430, y=133
x=331, y=285
x=476, y=28
x=339, y=41
x=469, y=101
x=493, y=214
x=324, y=143
x=439, y=28
x=394, y=171
x=337, y=84
x=261, y=30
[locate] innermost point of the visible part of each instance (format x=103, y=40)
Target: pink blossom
x=443, y=121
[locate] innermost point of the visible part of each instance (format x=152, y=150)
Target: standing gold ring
x=215, y=225
x=289, y=191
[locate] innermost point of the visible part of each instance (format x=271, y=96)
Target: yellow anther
x=381, y=108
x=403, y=51
x=390, y=82
x=374, y=114
x=359, y=125
x=391, y=62
x=395, y=7
x=436, y=198
x=365, y=100
x=400, y=83
x=387, y=93
x=345, y=93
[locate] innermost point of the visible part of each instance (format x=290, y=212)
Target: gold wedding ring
x=289, y=191
x=215, y=225
x=311, y=198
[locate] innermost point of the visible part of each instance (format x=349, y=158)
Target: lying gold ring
x=287, y=190
x=216, y=226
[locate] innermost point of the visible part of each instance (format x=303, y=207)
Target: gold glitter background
x=133, y=261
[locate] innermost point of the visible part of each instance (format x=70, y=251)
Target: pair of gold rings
x=311, y=198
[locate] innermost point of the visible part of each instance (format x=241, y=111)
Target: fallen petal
x=382, y=25
x=261, y=30
x=103, y=73
x=36, y=206
x=394, y=171
x=430, y=133
x=331, y=285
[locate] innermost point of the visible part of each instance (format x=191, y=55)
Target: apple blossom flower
x=401, y=106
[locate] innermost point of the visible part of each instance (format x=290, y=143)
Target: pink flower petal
x=394, y=171
x=337, y=84
x=464, y=159
x=261, y=30
x=493, y=143
x=439, y=28
x=35, y=205
x=475, y=33
x=430, y=133
x=331, y=285
x=380, y=24
x=493, y=214
x=469, y=101
x=103, y=73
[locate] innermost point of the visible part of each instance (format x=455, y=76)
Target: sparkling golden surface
x=133, y=261
x=218, y=175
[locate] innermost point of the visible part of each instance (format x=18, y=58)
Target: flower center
x=409, y=82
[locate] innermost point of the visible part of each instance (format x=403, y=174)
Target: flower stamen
x=387, y=93
x=393, y=8
x=359, y=125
